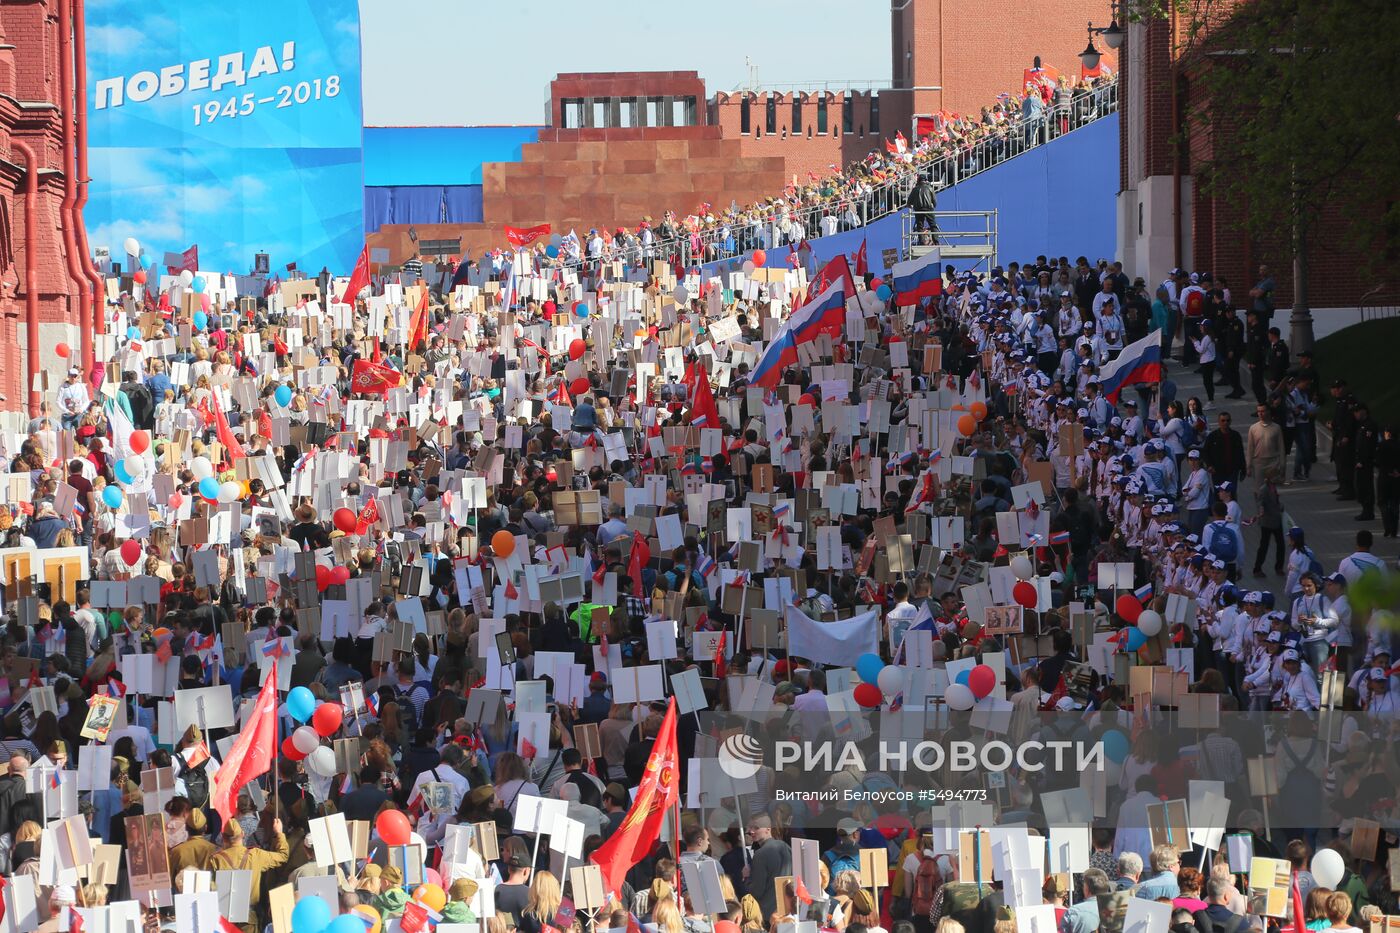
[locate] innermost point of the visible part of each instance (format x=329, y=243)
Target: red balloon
x=579, y=386
x=175, y=500
x=140, y=442
x=1129, y=608
x=869, y=696
x=291, y=751
x=393, y=828
x=131, y=551
x=344, y=519
x=875, y=283
x=323, y=577
x=63, y=350
x=577, y=348
x=759, y=258
x=808, y=399
x=326, y=720
x=139, y=276
x=1024, y=593
x=340, y=575
x=982, y=680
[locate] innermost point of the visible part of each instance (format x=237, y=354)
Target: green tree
x=1309, y=92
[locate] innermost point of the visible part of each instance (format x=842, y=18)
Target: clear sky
x=467, y=63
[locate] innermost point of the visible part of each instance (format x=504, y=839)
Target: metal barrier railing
x=1371, y=307
x=869, y=203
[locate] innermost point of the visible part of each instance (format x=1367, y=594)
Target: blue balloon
x=133, y=333
x=1115, y=746
x=884, y=292
x=1136, y=638
x=963, y=677
x=869, y=666
x=346, y=923
x=201, y=320
x=581, y=309
x=283, y=395
x=301, y=703
x=198, y=284
x=311, y=914
x=209, y=487
x=112, y=496
x=122, y=475
x=551, y=251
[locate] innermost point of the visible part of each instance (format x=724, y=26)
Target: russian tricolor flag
x=1144, y=592
x=1137, y=363
x=781, y=354
x=918, y=278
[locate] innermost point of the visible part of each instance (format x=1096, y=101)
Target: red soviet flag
x=524, y=236
x=225, y=434
x=862, y=263
x=704, y=413
x=253, y=750
x=657, y=795
x=638, y=558
x=374, y=378
x=359, y=279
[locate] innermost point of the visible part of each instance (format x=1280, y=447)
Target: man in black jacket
x=16, y=803
x=1223, y=452
x=923, y=202
x=138, y=396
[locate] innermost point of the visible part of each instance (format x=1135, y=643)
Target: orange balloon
x=430, y=895
x=959, y=407
x=371, y=916
x=966, y=425
x=503, y=543
x=979, y=410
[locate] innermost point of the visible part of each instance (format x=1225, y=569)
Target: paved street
x=1328, y=521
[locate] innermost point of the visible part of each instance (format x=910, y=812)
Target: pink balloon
x=433, y=877
x=175, y=500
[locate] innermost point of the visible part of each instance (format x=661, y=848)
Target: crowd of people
x=957, y=145
x=406, y=508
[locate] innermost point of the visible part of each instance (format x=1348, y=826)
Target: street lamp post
x=1113, y=35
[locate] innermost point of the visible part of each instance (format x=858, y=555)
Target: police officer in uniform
x=1343, y=426
x=1366, y=438
x=1256, y=356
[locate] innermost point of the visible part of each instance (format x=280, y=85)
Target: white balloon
x=201, y=468
x=229, y=492
x=1022, y=567
x=1150, y=622
x=1328, y=868
x=186, y=277
x=321, y=761
x=960, y=697
x=306, y=740
x=135, y=466
x=891, y=680
x=749, y=267
x=133, y=248
x=682, y=296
